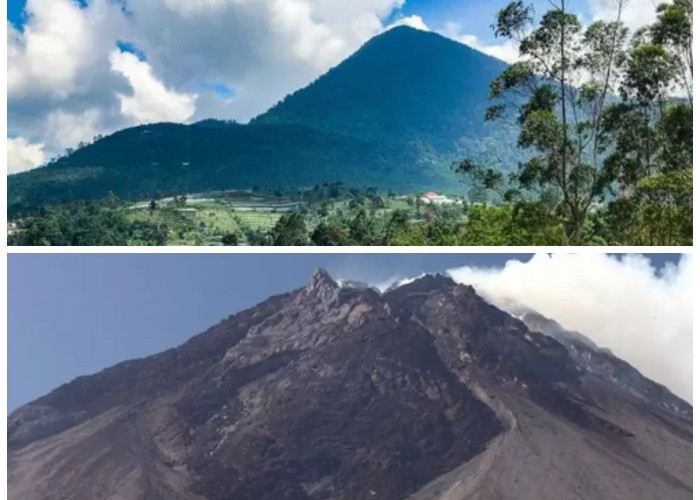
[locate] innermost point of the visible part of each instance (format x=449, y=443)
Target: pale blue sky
x=69, y=315
x=74, y=314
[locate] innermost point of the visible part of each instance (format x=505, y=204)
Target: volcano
x=423, y=392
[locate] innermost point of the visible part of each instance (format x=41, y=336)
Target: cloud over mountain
x=70, y=59
x=73, y=58
x=642, y=315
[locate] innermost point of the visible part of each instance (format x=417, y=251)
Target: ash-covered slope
x=602, y=364
x=334, y=392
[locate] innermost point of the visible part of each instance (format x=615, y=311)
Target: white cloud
x=309, y=40
x=50, y=51
x=505, y=51
x=636, y=13
x=150, y=100
x=66, y=130
x=63, y=61
x=643, y=317
x=60, y=88
x=413, y=21
x=22, y=155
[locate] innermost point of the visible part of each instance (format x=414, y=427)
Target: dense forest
x=595, y=123
x=152, y=161
x=331, y=215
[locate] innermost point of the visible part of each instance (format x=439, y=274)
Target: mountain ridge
x=343, y=392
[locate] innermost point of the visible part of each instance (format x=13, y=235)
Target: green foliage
x=659, y=213
x=649, y=74
x=676, y=130
x=331, y=233
x=585, y=141
x=290, y=230
x=522, y=223
x=84, y=224
x=674, y=31
x=653, y=136
x=487, y=226
x=635, y=141
x=513, y=20
x=229, y=239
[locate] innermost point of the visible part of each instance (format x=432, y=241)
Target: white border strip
x=353, y=249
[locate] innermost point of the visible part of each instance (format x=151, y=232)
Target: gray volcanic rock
x=603, y=364
x=339, y=392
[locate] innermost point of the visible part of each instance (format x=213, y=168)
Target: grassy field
x=203, y=219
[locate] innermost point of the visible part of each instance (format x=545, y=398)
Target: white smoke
x=395, y=282
x=643, y=315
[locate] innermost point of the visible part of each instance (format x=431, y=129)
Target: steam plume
x=643, y=315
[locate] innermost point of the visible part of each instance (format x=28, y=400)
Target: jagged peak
x=321, y=280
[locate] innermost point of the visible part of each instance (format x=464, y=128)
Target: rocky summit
x=339, y=392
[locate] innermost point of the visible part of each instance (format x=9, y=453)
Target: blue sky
x=14, y=11
x=478, y=14
x=74, y=314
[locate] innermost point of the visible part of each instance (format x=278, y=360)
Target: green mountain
x=405, y=84
x=395, y=115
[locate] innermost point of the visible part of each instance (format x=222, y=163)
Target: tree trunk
x=564, y=139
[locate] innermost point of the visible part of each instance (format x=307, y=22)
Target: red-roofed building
x=436, y=199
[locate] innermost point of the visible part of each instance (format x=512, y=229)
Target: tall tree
x=651, y=129
x=560, y=88
x=674, y=30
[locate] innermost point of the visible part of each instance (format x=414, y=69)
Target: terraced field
x=203, y=219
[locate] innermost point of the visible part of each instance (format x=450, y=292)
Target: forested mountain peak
x=397, y=114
